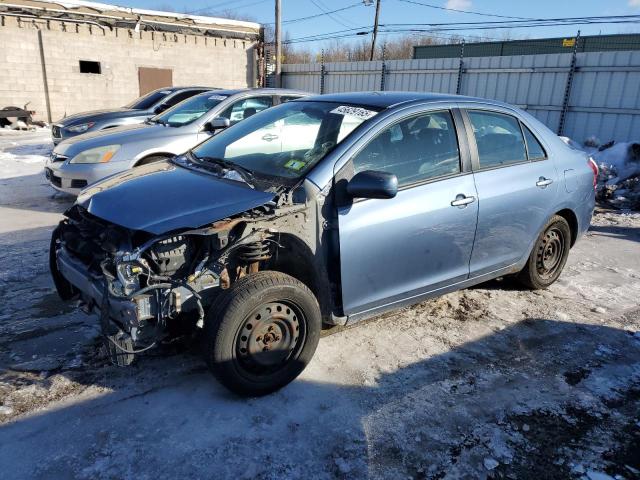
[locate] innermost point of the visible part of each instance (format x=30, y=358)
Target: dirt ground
x=491, y=382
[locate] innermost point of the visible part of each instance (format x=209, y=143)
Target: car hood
x=111, y=136
x=98, y=115
x=161, y=197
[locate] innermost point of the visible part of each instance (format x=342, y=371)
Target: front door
x=396, y=249
x=517, y=186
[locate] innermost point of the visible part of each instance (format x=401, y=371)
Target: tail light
x=594, y=167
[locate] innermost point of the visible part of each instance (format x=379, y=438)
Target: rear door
x=396, y=249
x=516, y=184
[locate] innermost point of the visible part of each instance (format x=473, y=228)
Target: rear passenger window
x=536, y=152
x=416, y=149
x=179, y=97
x=499, y=139
x=288, y=98
x=245, y=108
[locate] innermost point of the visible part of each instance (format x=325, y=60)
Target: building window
x=87, y=66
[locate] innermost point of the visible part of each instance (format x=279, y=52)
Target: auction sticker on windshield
x=217, y=97
x=357, y=112
x=295, y=165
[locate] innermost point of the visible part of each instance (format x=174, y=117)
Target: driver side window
x=416, y=149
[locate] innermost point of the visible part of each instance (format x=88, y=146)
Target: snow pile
x=619, y=178
x=23, y=153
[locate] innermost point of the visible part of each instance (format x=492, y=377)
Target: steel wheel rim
x=270, y=337
x=550, y=252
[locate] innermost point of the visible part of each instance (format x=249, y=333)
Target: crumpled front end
x=143, y=284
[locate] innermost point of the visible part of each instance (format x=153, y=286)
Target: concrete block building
x=70, y=56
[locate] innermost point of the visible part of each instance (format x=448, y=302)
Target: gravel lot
x=491, y=382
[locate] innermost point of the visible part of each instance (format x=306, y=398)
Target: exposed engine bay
x=144, y=284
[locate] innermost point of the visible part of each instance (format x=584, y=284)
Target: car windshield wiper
x=246, y=174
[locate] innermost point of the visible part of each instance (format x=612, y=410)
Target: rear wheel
x=548, y=256
x=261, y=333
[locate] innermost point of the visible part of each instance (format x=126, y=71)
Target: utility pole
x=278, y=45
x=375, y=30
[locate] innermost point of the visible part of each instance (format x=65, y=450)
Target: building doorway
x=154, y=78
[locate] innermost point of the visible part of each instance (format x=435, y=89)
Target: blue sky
x=399, y=11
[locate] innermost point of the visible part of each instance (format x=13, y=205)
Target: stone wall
x=195, y=60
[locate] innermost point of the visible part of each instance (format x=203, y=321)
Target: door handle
x=543, y=182
x=462, y=201
x=269, y=137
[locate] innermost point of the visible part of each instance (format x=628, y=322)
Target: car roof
x=391, y=99
x=177, y=89
x=269, y=91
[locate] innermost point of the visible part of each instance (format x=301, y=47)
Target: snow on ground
x=491, y=382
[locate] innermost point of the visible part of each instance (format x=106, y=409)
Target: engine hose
x=127, y=351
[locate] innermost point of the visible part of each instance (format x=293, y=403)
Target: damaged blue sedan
x=359, y=203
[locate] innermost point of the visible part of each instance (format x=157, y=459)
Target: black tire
x=261, y=333
x=548, y=256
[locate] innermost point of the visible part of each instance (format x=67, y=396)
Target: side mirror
x=370, y=184
x=218, y=123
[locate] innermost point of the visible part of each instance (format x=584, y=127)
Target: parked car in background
x=137, y=111
x=372, y=201
x=83, y=160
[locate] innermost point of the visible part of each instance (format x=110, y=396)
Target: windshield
x=188, y=110
x=148, y=100
x=285, y=141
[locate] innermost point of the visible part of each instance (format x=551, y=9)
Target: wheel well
x=572, y=220
x=295, y=258
x=146, y=159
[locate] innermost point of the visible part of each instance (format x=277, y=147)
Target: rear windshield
x=148, y=100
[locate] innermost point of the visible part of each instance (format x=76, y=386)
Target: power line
x=326, y=8
x=533, y=21
x=331, y=15
x=502, y=26
x=302, y=19
x=336, y=34
x=225, y=4
x=462, y=26
x=461, y=11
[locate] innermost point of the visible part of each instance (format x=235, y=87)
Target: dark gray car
x=372, y=201
x=135, y=112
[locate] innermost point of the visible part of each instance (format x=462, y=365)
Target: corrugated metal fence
x=604, y=87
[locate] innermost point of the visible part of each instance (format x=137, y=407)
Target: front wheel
x=261, y=333
x=548, y=256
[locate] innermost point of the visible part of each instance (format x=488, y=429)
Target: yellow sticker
x=569, y=42
x=295, y=164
